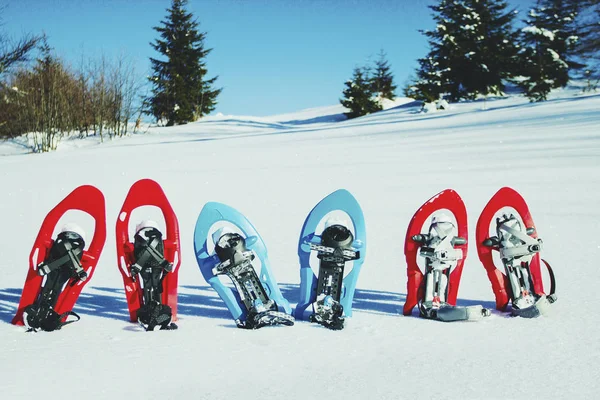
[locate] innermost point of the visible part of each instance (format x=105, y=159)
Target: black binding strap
x=152, y=267
x=53, y=321
x=149, y=253
x=551, y=296
x=72, y=255
x=61, y=265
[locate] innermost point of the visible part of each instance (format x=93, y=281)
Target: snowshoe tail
x=449, y=313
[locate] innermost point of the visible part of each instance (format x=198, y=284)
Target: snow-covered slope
x=274, y=170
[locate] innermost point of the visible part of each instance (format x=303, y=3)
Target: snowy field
x=274, y=170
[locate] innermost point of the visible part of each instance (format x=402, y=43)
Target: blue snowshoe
x=340, y=241
x=254, y=300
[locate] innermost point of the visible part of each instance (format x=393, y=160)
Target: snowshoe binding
x=62, y=265
x=236, y=263
x=333, y=252
x=335, y=230
x=517, y=248
x=152, y=268
x=441, y=256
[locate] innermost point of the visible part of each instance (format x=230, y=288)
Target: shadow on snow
x=202, y=301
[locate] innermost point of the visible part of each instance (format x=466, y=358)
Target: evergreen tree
x=181, y=92
x=429, y=85
x=433, y=74
x=588, y=47
x=382, y=80
x=472, y=49
x=491, y=56
x=549, y=41
x=590, y=43
x=358, y=95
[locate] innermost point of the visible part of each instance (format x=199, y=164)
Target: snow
x=274, y=170
x=554, y=54
x=539, y=31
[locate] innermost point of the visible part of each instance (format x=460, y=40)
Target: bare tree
x=50, y=100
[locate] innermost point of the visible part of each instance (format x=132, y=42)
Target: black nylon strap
x=66, y=314
x=72, y=256
x=552, y=279
x=150, y=252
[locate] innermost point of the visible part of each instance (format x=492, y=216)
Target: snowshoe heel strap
x=551, y=295
x=47, y=320
x=153, y=315
x=258, y=320
x=330, y=317
x=541, y=307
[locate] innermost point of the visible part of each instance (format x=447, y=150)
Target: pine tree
x=588, y=47
x=358, y=95
x=180, y=93
x=429, y=85
x=491, y=56
x=471, y=50
x=590, y=43
x=549, y=41
x=382, y=80
x=433, y=74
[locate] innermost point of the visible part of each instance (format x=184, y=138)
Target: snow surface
x=275, y=170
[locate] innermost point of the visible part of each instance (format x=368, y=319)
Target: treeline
x=475, y=50
x=50, y=100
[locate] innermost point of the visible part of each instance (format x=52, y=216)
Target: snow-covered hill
x=274, y=170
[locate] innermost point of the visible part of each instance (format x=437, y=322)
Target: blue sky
x=271, y=56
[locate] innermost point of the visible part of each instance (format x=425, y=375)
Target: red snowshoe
x=150, y=264
x=60, y=268
x=519, y=279
x=443, y=245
